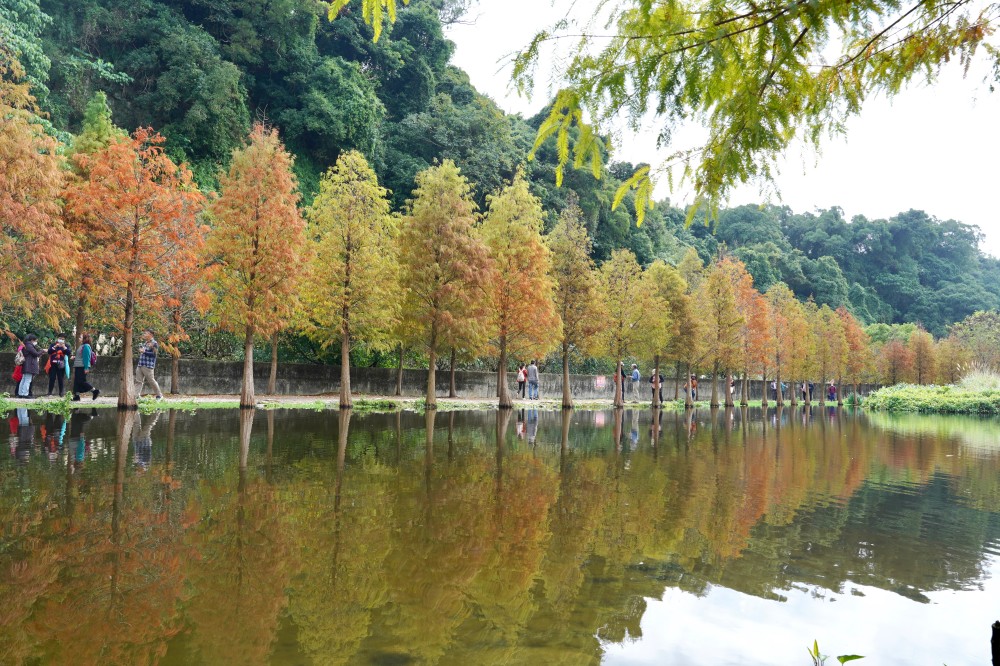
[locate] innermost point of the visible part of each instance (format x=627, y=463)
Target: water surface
x=477, y=538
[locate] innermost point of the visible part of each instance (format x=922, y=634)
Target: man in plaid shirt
x=147, y=364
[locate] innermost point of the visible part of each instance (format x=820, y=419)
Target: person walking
x=59, y=353
x=31, y=354
x=656, y=384
x=634, y=379
x=148, y=351
x=82, y=362
x=533, y=380
x=522, y=379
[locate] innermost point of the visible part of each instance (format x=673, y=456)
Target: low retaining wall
x=200, y=377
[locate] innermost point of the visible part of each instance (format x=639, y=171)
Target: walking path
x=317, y=402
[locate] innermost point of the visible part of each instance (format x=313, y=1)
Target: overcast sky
x=931, y=148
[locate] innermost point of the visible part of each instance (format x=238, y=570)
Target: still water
x=477, y=538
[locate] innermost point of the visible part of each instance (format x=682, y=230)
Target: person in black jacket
x=59, y=354
x=31, y=355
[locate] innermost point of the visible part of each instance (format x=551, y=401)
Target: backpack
x=19, y=357
x=93, y=357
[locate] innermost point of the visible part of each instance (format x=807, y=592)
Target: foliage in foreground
x=820, y=659
x=940, y=399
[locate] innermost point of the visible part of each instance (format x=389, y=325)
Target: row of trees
x=122, y=233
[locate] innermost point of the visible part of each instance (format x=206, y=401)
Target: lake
x=531, y=537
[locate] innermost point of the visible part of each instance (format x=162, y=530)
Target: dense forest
x=201, y=71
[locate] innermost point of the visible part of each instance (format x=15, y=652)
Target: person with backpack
x=29, y=368
x=82, y=363
x=148, y=352
x=522, y=379
x=59, y=354
x=533, y=381
x=634, y=379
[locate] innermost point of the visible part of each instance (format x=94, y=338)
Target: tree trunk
x=840, y=392
x=619, y=398
x=345, y=371
x=677, y=380
x=857, y=396
x=81, y=314
x=715, y=385
x=399, y=372
x=655, y=384
x=729, y=393
x=452, y=393
x=567, y=401
x=822, y=391
x=126, y=391
x=688, y=401
x=763, y=390
x=272, y=380
x=505, y=399
x=175, y=374
x=744, y=389
x=248, y=398
x=431, y=397
x=779, y=396
x=794, y=396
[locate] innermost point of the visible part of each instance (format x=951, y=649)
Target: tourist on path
x=533, y=381
x=522, y=379
x=831, y=392
x=656, y=384
x=59, y=354
x=81, y=368
x=31, y=355
x=148, y=351
x=635, y=382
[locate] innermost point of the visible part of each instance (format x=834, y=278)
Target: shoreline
x=362, y=403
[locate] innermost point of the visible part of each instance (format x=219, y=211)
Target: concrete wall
x=199, y=377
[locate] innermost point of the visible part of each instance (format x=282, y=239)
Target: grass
x=935, y=399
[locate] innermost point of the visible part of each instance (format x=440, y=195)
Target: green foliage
x=21, y=26
x=749, y=73
x=819, y=659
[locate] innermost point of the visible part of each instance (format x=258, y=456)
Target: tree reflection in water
x=448, y=538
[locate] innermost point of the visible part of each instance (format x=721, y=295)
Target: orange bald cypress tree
x=256, y=245
x=35, y=249
x=522, y=317
x=858, y=347
x=444, y=267
x=139, y=211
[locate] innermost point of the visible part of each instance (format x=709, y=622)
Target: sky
x=932, y=148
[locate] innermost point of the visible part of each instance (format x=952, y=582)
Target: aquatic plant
x=820, y=659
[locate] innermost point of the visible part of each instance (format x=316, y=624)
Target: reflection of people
x=25, y=435
x=77, y=439
x=520, y=424
x=634, y=434
x=532, y=426
x=53, y=432
x=144, y=440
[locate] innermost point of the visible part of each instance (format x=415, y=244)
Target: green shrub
x=939, y=399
